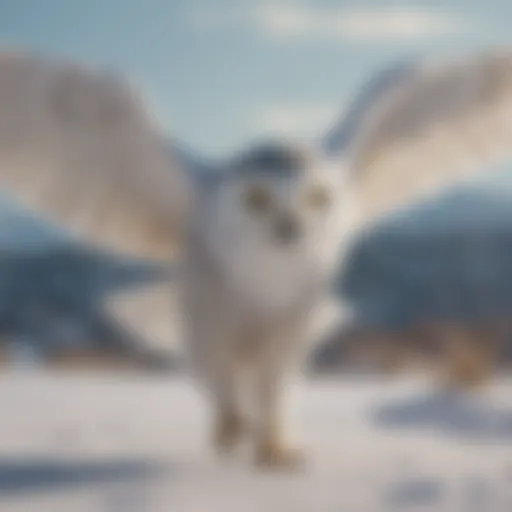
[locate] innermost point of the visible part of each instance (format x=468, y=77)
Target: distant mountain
x=21, y=231
x=448, y=257
x=53, y=289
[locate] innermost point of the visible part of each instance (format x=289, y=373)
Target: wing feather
x=79, y=146
x=423, y=125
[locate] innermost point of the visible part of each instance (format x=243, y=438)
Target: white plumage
x=262, y=232
x=80, y=146
x=100, y=164
x=424, y=124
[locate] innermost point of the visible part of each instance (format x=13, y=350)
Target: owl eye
x=317, y=198
x=258, y=199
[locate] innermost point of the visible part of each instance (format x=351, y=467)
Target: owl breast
x=272, y=282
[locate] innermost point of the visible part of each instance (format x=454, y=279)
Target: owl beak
x=287, y=229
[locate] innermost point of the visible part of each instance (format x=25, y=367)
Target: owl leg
x=212, y=361
x=228, y=431
x=272, y=447
x=229, y=422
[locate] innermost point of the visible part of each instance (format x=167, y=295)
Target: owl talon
x=278, y=456
x=228, y=431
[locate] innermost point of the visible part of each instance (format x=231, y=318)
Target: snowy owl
x=260, y=233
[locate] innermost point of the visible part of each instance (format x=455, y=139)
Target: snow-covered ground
x=128, y=443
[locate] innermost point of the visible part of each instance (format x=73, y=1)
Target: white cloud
x=398, y=24
x=287, y=21
x=294, y=119
x=354, y=25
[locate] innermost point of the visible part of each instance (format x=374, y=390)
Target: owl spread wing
x=421, y=125
x=78, y=146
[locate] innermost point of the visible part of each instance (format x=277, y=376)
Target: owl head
x=279, y=214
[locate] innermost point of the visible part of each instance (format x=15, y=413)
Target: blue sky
x=221, y=72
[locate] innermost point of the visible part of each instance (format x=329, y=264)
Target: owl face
x=284, y=213
x=279, y=219
x=283, y=197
